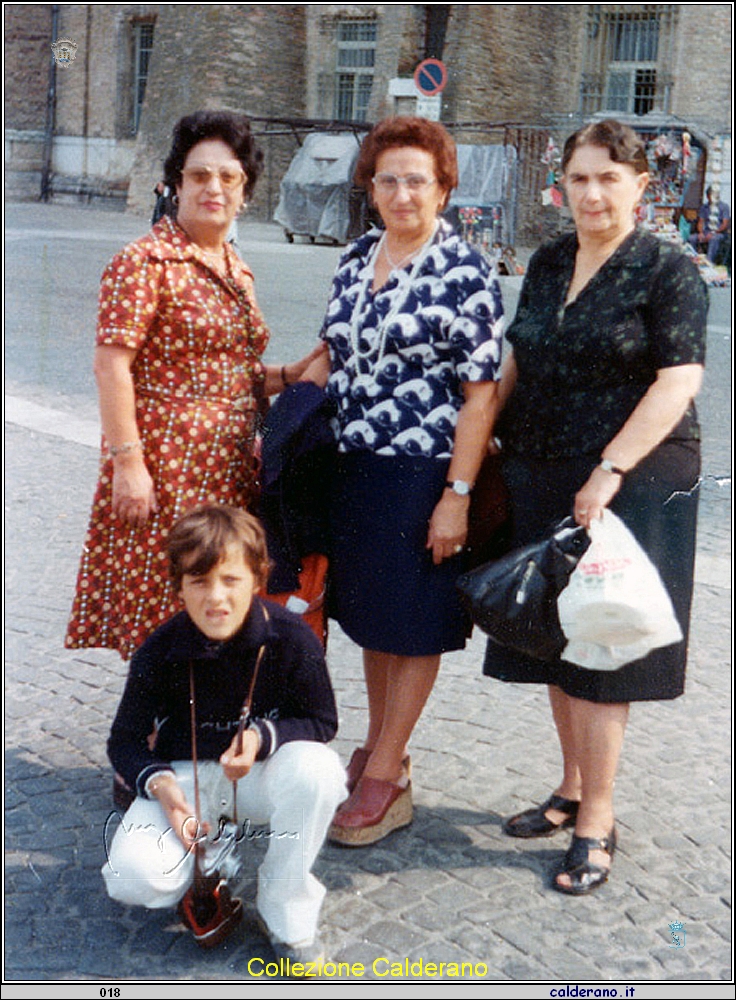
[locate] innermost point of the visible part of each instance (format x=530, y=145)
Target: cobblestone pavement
x=450, y=888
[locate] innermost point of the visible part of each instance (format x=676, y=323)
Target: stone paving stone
x=355, y=918
x=676, y=961
x=630, y=969
x=471, y=939
x=703, y=908
x=393, y=934
x=419, y=881
x=524, y=970
x=722, y=927
x=432, y=918
x=393, y=898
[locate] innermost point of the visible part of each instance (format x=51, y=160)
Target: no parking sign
x=430, y=77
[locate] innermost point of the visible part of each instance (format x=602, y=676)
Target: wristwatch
x=607, y=465
x=459, y=486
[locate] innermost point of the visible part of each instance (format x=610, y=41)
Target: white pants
x=295, y=792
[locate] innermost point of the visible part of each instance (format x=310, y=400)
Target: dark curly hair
x=233, y=129
x=622, y=143
x=406, y=130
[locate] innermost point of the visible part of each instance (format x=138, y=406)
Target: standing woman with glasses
x=178, y=369
x=414, y=331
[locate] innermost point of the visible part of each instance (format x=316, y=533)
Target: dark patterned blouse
x=582, y=369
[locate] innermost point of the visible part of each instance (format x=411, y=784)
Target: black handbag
x=514, y=598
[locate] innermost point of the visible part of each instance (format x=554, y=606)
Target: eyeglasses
x=389, y=183
x=230, y=177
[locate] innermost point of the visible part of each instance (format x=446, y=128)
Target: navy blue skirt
x=658, y=501
x=385, y=591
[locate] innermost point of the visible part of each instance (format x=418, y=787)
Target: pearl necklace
x=397, y=265
x=373, y=354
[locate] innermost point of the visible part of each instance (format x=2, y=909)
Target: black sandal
x=534, y=823
x=584, y=876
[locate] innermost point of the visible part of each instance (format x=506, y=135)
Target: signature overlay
x=227, y=838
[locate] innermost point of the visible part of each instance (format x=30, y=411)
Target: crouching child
x=237, y=693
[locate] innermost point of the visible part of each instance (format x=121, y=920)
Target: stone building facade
x=99, y=127
x=28, y=32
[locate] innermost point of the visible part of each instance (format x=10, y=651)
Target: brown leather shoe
x=375, y=809
x=355, y=768
x=358, y=761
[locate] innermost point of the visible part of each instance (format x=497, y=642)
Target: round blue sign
x=430, y=77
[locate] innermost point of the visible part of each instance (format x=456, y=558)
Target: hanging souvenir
x=686, y=154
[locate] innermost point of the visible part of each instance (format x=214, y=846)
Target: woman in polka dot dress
x=177, y=363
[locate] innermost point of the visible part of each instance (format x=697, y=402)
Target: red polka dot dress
x=199, y=338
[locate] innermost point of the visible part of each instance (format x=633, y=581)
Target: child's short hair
x=204, y=535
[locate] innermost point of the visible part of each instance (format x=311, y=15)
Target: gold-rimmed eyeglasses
x=202, y=174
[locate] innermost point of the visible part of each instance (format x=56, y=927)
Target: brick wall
x=27, y=77
x=511, y=62
x=702, y=73
x=258, y=70
x=27, y=63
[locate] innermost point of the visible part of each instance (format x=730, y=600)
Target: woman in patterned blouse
x=608, y=348
x=177, y=363
x=414, y=330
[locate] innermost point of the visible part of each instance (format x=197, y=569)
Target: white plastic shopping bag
x=615, y=608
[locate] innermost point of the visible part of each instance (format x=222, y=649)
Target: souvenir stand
x=482, y=207
x=677, y=164
x=677, y=155
x=676, y=170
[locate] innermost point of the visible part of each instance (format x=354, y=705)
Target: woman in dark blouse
x=608, y=348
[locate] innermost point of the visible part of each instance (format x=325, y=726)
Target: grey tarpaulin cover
x=315, y=188
x=487, y=179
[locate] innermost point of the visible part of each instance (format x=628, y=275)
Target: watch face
x=459, y=487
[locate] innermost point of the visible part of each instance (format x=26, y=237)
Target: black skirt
x=385, y=591
x=658, y=501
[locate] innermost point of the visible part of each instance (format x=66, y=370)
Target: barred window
x=628, y=58
x=142, y=48
x=632, y=74
x=355, y=61
x=634, y=37
x=631, y=90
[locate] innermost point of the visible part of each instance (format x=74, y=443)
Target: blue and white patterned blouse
x=400, y=394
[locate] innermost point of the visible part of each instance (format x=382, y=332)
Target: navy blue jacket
x=293, y=697
x=298, y=454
